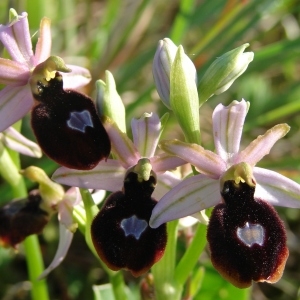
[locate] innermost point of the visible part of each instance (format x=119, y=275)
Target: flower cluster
x=247, y=239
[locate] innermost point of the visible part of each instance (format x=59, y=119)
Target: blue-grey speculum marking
x=79, y=120
x=134, y=226
x=251, y=234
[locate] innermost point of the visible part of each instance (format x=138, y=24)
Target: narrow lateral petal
x=228, y=124
x=43, y=45
x=262, y=145
x=107, y=175
x=164, y=183
x=276, y=188
x=17, y=142
x=205, y=161
x=14, y=104
x=13, y=72
x=146, y=131
x=188, y=197
x=164, y=162
x=65, y=239
x=17, y=41
x=77, y=78
x=121, y=145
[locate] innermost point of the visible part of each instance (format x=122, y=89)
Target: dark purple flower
x=121, y=233
x=246, y=237
x=67, y=126
x=21, y=218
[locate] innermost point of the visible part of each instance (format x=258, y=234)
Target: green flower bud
x=223, y=72
x=184, y=97
x=109, y=102
x=161, y=68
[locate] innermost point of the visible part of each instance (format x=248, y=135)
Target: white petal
x=107, y=175
x=187, y=221
x=262, y=145
x=121, y=145
x=99, y=196
x=146, y=131
x=164, y=162
x=77, y=78
x=205, y=161
x=15, y=102
x=188, y=197
x=164, y=183
x=17, y=142
x=228, y=124
x=72, y=197
x=65, y=239
x=276, y=188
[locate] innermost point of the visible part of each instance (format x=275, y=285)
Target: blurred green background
x=121, y=36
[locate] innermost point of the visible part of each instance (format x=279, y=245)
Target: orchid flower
x=246, y=237
x=109, y=174
x=55, y=200
x=203, y=190
x=16, y=98
x=14, y=140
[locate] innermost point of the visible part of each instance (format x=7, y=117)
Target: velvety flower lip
x=109, y=174
x=120, y=231
x=16, y=99
x=203, y=191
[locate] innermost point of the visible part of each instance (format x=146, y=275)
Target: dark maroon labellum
x=21, y=218
x=246, y=237
x=67, y=127
x=121, y=233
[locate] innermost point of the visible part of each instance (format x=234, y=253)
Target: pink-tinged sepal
x=14, y=140
x=164, y=162
x=14, y=105
x=122, y=146
x=77, y=78
x=146, y=131
x=188, y=197
x=16, y=39
x=65, y=239
x=108, y=175
x=205, y=161
x=262, y=145
x=276, y=188
x=13, y=73
x=228, y=124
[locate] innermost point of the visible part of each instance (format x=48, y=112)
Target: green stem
x=34, y=258
x=191, y=255
x=116, y=278
x=35, y=266
x=166, y=288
